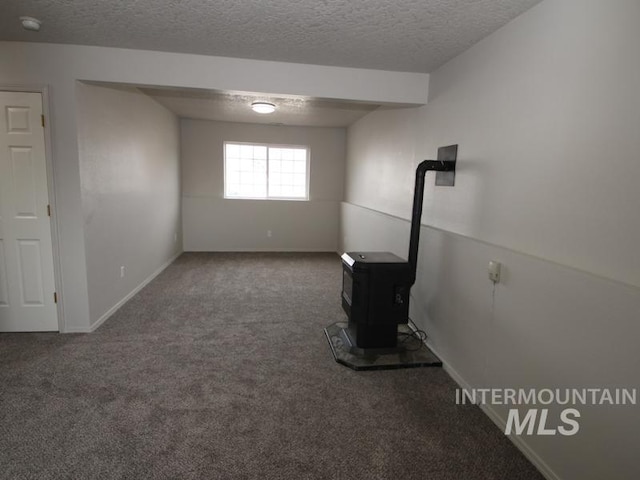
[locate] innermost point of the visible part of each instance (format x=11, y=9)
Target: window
x=266, y=171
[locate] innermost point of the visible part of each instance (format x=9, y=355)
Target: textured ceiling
x=400, y=35
x=236, y=107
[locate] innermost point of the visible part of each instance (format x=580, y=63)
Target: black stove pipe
x=418, y=194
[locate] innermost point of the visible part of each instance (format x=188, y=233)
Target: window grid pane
x=261, y=171
x=287, y=172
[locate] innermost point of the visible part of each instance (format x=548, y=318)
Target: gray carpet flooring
x=219, y=369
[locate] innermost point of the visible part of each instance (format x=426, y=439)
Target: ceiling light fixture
x=263, y=107
x=30, y=23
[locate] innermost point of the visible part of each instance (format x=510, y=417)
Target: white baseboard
x=262, y=250
x=501, y=423
x=128, y=297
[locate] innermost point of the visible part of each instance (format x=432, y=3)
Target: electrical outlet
x=494, y=271
x=269, y=233
x=122, y=271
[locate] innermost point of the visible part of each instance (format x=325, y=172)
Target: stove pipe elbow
x=416, y=216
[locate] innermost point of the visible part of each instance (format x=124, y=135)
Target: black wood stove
x=375, y=297
x=375, y=293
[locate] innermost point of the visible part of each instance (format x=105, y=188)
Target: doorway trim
x=48, y=152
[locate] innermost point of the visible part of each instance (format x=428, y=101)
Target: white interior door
x=27, y=283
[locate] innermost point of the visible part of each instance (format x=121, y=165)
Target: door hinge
x=49, y=210
x=42, y=119
x=55, y=297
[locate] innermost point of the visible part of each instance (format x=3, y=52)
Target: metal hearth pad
x=410, y=352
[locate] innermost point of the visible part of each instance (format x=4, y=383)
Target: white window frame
x=268, y=146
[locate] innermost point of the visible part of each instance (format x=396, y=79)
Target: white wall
x=129, y=149
x=212, y=223
x=59, y=66
x=545, y=112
